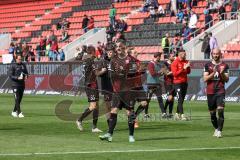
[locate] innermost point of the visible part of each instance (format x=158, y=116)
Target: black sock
x=131, y=121
x=146, y=110
x=214, y=119
x=220, y=119
x=108, y=122
x=84, y=114
x=112, y=122
x=95, y=117
x=139, y=110
x=170, y=107
x=161, y=105
x=166, y=105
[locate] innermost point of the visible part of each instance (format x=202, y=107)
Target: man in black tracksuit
x=18, y=74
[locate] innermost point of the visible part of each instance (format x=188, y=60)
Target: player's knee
x=144, y=103
x=92, y=106
x=220, y=112
x=114, y=110
x=170, y=98
x=131, y=117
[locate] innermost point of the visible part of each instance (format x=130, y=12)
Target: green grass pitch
x=41, y=135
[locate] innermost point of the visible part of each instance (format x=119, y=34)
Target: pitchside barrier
x=67, y=78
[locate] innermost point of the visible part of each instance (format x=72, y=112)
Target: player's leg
x=181, y=90
x=107, y=100
x=21, y=92
x=149, y=96
x=131, y=122
x=16, y=94
x=158, y=93
x=212, y=110
x=220, y=109
x=93, y=97
x=95, y=119
x=170, y=100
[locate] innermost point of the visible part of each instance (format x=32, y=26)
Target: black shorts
x=170, y=90
x=107, y=96
x=154, y=89
x=92, y=94
x=137, y=95
x=121, y=100
x=215, y=100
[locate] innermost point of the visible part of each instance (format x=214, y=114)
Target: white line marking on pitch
x=117, y=151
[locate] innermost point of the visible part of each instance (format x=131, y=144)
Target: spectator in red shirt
x=180, y=69
x=91, y=23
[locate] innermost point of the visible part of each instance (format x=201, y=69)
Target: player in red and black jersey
x=216, y=74
x=168, y=83
x=91, y=89
x=103, y=69
x=135, y=80
x=120, y=66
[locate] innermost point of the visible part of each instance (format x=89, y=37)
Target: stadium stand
x=27, y=20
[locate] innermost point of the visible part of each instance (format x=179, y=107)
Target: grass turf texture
x=42, y=132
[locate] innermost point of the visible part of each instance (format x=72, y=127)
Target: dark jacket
x=85, y=23
x=205, y=45
x=15, y=71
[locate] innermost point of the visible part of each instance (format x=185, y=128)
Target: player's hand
x=186, y=65
x=104, y=69
x=222, y=68
x=20, y=78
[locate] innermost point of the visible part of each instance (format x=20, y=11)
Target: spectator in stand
x=99, y=49
x=43, y=45
x=110, y=32
x=194, y=3
x=143, y=8
x=31, y=55
x=180, y=4
x=122, y=26
x=213, y=42
x=48, y=46
x=222, y=12
x=82, y=53
x=180, y=16
x=161, y=11
x=152, y=12
x=61, y=55
x=206, y=46
x=18, y=50
x=112, y=14
x=165, y=45
x=65, y=24
x=193, y=22
x=189, y=4
x=172, y=7
x=39, y=52
x=208, y=19
x=213, y=6
x=119, y=37
x=85, y=23
x=176, y=44
x=25, y=50
x=53, y=53
x=155, y=4
x=186, y=34
x=65, y=36
x=52, y=37
x=91, y=23
x=234, y=8
x=11, y=48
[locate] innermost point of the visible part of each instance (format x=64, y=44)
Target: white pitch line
x=118, y=151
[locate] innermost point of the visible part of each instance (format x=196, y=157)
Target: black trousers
x=181, y=91
x=18, y=94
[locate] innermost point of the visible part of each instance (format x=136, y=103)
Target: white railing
x=224, y=31
x=89, y=38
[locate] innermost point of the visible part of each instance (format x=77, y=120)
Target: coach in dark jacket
x=18, y=75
